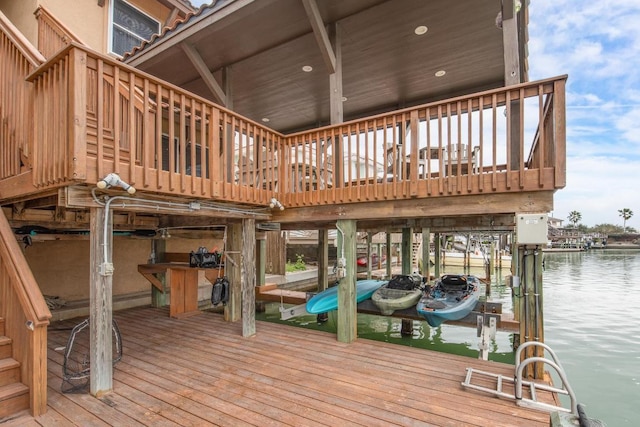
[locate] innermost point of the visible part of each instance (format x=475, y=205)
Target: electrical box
x=531, y=229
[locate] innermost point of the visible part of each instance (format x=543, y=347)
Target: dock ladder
x=519, y=383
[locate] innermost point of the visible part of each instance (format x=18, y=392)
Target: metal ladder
x=531, y=402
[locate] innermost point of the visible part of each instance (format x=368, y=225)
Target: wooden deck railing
x=26, y=317
x=94, y=115
x=473, y=144
x=18, y=59
x=167, y=140
x=53, y=35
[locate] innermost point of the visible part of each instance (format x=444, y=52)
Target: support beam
x=347, y=308
x=248, y=277
x=232, y=269
x=158, y=249
x=369, y=257
x=388, y=253
x=426, y=246
x=205, y=73
x=323, y=259
x=336, y=111
x=322, y=38
x=261, y=257
x=407, y=246
x=100, y=303
x=531, y=322
x=437, y=254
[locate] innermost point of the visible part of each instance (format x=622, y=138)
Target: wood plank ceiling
x=263, y=46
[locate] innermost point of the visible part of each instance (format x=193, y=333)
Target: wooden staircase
x=14, y=396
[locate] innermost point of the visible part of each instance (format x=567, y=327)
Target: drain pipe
x=525, y=292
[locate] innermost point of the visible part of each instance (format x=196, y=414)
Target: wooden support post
x=248, y=277
x=406, y=329
x=426, y=246
x=407, y=243
x=261, y=257
x=347, y=313
x=100, y=302
x=232, y=269
x=436, y=255
x=369, y=258
x=159, y=248
x=323, y=259
x=389, y=258
x=531, y=319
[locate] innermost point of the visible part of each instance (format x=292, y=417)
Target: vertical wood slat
x=470, y=148
x=413, y=169
x=147, y=140
x=100, y=119
x=131, y=129
x=159, y=159
x=215, y=136
x=205, y=165
x=117, y=122
x=459, y=155
x=494, y=133
x=182, y=153
x=172, y=135
x=480, y=159
x=192, y=137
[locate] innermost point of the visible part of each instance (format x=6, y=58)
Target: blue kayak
x=452, y=298
x=328, y=300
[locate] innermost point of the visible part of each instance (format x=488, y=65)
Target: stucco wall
x=20, y=13
x=84, y=18
x=61, y=268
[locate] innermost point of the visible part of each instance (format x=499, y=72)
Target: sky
x=597, y=44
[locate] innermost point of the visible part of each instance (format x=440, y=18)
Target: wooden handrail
x=26, y=317
x=53, y=35
x=20, y=41
x=19, y=273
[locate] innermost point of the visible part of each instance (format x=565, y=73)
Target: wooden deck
x=201, y=371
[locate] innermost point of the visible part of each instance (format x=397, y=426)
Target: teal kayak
x=328, y=300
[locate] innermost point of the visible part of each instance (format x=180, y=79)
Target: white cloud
x=597, y=45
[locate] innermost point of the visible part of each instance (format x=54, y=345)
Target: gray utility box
x=531, y=229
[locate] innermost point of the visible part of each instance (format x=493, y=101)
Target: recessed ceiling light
x=307, y=68
x=344, y=98
x=440, y=73
x=420, y=30
x=265, y=119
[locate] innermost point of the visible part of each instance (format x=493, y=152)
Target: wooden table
x=183, y=284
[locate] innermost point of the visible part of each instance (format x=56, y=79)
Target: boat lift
x=519, y=383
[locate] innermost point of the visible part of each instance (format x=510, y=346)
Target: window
x=130, y=27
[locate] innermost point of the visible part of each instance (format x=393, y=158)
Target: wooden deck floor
x=200, y=371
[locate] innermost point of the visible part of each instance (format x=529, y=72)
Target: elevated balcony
x=91, y=115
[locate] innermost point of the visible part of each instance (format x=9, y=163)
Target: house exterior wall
x=61, y=267
x=84, y=18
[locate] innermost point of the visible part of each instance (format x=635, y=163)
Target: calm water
x=592, y=322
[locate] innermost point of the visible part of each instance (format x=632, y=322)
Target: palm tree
x=574, y=217
x=626, y=214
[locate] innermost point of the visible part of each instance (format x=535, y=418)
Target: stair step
x=9, y=371
x=6, y=349
x=13, y=398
